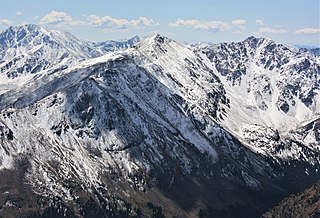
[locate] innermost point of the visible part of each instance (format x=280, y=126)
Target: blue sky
x=285, y=21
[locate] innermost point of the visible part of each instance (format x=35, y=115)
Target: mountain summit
x=32, y=49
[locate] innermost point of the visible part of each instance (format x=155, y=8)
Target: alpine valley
x=152, y=127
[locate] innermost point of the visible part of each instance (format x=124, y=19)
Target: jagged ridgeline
x=152, y=127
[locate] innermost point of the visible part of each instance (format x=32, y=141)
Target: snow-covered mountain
x=112, y=45
x=159, y=128
x=29, y=49
x=274, y=91
x=315, y=51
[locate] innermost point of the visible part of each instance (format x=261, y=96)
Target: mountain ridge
x=144, y=131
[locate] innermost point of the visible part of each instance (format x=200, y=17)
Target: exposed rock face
x=273, y=92
x=159, y=129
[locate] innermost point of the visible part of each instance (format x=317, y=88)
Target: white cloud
x=59, y=18
x=271, y=30
x=235, y=26
x=238, y=25
x=144, y=21
x=278, y=26
x=19, y=13
x=202, y=25
x=238, y=22
x=5, y=22
x=308, y=31
x=110, y=22
x=259, y=22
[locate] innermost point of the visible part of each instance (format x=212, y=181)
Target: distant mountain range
x=152, y=127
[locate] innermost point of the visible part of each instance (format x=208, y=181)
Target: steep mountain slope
x=112, y=119
x=273, y=91
x=29, y=49
x=304, y=204
x=32, y=48
x=145, y=132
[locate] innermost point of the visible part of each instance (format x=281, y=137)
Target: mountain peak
x=135, y=38
x=255, y=41
x=23, y=35
x=254, y=38
x=154, y=41
x=159, y=38
x=42, y=49
x=27, y=28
